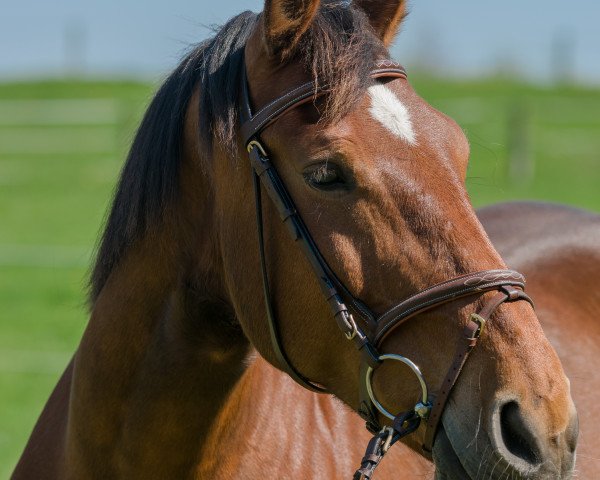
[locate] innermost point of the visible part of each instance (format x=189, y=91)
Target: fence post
x=521, y=162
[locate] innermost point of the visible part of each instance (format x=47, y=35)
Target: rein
x=356, y=321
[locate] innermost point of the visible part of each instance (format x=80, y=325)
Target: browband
x=253, y=124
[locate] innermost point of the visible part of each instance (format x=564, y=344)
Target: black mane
x=338, y=49
x=149, y=179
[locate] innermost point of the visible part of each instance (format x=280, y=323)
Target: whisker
x=481, y=461
x=494, y=468
x=476, y=430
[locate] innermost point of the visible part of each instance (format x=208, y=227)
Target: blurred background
x=521, y=78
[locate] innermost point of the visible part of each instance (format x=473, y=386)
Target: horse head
x=378, y=177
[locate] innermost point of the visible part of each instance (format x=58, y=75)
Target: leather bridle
x=359, y=325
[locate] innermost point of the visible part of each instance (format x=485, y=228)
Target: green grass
x=557, y=130
x=58, y=166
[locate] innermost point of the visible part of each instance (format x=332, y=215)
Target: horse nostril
x=516, y=435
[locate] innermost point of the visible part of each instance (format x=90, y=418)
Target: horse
x=203, y=326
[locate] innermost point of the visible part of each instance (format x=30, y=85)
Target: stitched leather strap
x=373, y=455
x=306, y=92
x=404, y=424
x=444, y=292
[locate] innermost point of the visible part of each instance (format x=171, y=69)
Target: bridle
x=359, y=325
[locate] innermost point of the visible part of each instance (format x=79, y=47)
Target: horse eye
x=326, y=176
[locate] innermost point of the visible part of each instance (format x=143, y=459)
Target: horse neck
x=154, y=367
x=270, y=427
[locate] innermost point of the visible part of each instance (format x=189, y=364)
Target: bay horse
x=179, y=371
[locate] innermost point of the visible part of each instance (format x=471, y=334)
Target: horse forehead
x=400, y=111
x=387, y=109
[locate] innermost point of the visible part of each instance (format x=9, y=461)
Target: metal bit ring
x=422, y=408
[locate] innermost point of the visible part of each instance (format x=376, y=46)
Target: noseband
x=357, y=322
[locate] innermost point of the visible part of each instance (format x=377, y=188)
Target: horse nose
x=526, y=448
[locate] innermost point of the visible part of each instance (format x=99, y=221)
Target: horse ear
x=284, y=22
x=385, y=16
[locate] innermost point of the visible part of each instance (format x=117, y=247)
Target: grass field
x=61, y=148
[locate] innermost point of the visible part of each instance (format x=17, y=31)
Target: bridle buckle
x=256, y=144
x=389, y=433
x=352, y=331
x=480, y=322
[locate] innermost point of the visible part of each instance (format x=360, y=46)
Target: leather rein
x=356, y=321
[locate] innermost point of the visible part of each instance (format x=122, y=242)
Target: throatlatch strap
x=273, y=331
